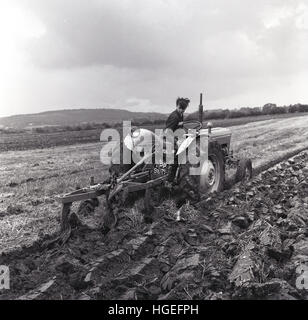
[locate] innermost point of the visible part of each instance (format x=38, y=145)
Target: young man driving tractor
x=176, y=118
x=174, y=122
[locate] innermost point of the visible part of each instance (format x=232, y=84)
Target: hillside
x=70, y=117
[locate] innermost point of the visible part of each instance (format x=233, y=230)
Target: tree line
x=267, y=109
x=219, y=114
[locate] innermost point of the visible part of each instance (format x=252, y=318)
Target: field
x=28, y=140
x=30, y=180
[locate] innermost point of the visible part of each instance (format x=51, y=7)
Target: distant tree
x=257, y=111
x=293, y=108
x=303, y=108
x=226, y=113
x=236, y=114
x=269, y=108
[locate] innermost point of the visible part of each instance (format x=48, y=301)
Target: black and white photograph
x=153, y=150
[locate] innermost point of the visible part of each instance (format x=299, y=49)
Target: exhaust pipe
x=201, y=110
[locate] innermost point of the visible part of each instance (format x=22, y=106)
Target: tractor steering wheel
x=192, y=124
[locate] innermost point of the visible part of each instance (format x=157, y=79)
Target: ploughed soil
x=248, y=242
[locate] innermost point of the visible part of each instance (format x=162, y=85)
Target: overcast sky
x=141, y=54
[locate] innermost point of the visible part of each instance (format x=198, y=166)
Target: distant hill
x=76, y=116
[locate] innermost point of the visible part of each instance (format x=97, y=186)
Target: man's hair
x=182, y=102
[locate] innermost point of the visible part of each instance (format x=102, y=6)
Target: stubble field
x=31, y=179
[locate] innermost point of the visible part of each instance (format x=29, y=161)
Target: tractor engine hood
x=221, y=135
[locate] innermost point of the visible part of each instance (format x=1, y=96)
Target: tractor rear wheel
x=211, y=178
x=244, y=170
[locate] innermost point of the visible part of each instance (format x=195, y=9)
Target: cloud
x=110, y=52
x=167, y=35
x=118, y=33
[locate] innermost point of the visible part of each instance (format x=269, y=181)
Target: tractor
x=144, y=176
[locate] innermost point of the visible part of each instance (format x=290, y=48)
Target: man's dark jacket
x=173, y=120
